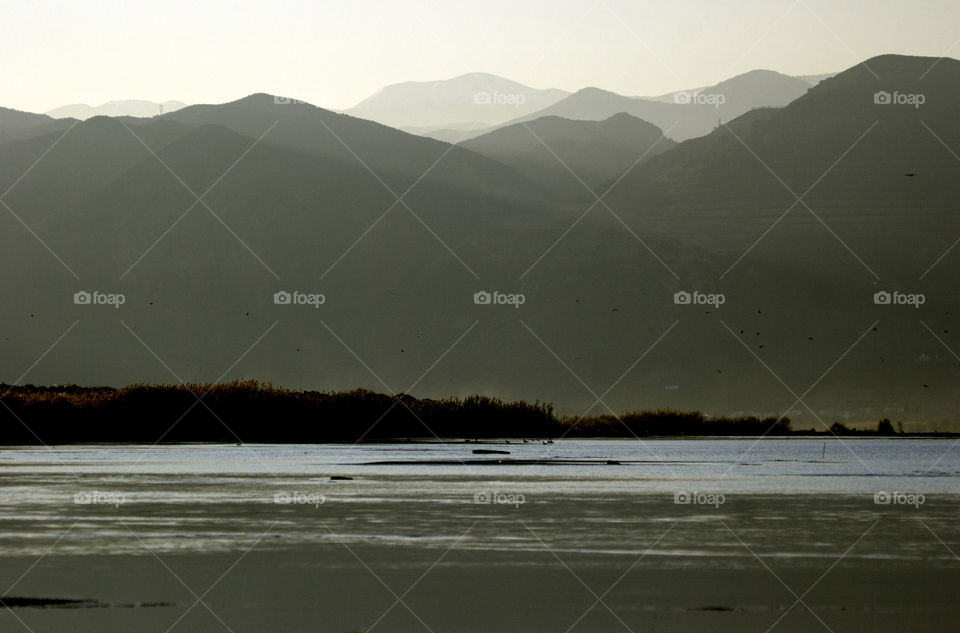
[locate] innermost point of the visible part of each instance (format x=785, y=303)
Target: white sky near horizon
x=334, y=54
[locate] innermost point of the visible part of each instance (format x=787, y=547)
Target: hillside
x=685, y=114
x=298, y=212
x=546, y=150
x=15, y=124
x=398, y=158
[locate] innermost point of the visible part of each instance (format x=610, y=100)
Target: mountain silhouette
x=15, y=124
x=573, y=156
x=684, y=114
x=397, y=158
x=129, y=107
x=470, y=100
x=300, y=212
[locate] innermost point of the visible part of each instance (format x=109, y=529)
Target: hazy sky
x=334, y=54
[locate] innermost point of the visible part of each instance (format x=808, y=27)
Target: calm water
x=779, y=493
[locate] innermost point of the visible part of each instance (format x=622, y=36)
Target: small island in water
x=251, y=411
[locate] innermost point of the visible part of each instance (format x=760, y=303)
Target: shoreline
x=513, y=441
x=249, y=412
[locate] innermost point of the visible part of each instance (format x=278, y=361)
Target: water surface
x=616, y=496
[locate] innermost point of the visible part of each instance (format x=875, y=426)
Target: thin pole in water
x=824, y=454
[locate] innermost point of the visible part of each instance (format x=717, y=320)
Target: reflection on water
x=787, y=498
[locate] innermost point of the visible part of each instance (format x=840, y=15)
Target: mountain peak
x=265, y=99
x=594, y=91
x=905, y=67
x=472, y=97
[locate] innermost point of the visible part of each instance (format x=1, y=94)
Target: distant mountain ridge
x=573, y=155
x=813, y=80
x=300, y=211
x=479, y=98
x=129, y=107
x=15, y=123
x=398, y=158
x=810, y=80
x=683, y=114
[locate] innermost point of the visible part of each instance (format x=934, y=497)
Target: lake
x=692, y=534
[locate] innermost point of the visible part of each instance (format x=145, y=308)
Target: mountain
x=477, y=99
x=813, y=80
x=12, y=121
x=66, y=175
x=403, y=307
x=130, y=107
x=197, y=281
x=684, y=114
x=754, y=89
x=883, y=199
x=451, y=135
x=16, y=124
x=398, y=158
x=816, y=129
x=546, y=150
